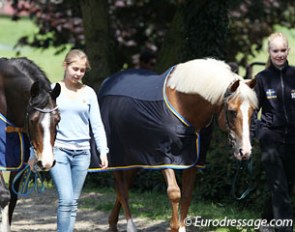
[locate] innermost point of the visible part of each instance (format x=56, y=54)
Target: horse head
x=42, y=120
x=235, y=116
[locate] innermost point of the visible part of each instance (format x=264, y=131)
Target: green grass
x=11, y=31
x=156, y=206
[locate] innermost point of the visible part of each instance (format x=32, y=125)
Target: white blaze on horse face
x=47, y=157
x=246, y=144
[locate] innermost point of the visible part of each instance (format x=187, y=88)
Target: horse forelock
x=42, y=100
x=245, y=93
x=209, y=78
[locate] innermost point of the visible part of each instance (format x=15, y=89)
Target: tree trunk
x=99, y=46
x=199, y=30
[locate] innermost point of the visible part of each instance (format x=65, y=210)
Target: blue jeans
x=69, y=175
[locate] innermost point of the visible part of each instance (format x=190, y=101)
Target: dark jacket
x=275, y=91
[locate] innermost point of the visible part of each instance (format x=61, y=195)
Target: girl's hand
x=104, y=161
x=32, y=162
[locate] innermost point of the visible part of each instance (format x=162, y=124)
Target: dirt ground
x=38, y=213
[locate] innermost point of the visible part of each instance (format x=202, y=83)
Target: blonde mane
x=206, y=77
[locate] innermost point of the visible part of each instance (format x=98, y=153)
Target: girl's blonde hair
x=271, y=38
x=75, y=54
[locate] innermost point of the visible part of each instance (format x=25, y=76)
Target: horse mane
x=208, y=77
x=30, y=69
x=34, y=73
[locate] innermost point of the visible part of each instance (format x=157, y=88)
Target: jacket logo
x=293, y=93
x=270, y=94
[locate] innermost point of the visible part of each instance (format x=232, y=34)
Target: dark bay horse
x=153, y=121
x=29, y=116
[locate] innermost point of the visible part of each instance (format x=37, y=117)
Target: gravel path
x=38, y=213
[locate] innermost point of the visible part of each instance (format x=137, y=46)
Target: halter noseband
x=45, y=110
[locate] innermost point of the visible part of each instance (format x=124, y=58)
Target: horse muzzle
x=44, y=167
x=242, y=154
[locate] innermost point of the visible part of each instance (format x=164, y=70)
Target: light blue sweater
x=76, y=116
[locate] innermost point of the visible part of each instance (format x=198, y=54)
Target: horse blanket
x=14, y=146
x=143, y=129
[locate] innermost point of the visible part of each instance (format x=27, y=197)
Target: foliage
x=138, y=25
x=251, y=21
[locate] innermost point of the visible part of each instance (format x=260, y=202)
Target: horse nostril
x=39, y=164
x=241, y=152
x=53, y=163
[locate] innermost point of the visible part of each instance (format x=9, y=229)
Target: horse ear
x=56, y=91
x=35, y=89
x=251, y=83
x=233, y=87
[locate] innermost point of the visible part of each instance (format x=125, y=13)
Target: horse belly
x=144, y=134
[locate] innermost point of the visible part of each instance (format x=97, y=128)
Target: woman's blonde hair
x=271, y=38
x=75, y=54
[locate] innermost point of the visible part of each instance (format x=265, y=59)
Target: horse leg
x=4, y=202
x=5, y=225
x=173, y=192
x=188, y=179
x=4, y=192
x=14, y=196
x=124, y=180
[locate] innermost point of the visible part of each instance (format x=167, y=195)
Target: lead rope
x=243, y=166
x=30, y=181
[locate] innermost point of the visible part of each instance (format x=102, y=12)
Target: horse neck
x=194, y=108
x=17, y=98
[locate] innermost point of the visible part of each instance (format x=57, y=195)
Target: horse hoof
x=131, y=226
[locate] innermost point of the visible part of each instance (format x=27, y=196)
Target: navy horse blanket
x=14, y=146
x=143, y=130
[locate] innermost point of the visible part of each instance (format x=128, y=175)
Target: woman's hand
x=32, y=162
x=104, y=161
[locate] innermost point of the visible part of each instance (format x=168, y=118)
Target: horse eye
x=233, y=113
x=57, y=119
x=34, y=117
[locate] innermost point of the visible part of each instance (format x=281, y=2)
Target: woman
x=275, y=90
x=79, y=110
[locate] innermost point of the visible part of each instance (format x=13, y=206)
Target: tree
x=139, y=24
x=97, y=32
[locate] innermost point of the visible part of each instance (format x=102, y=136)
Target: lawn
x=46, y=59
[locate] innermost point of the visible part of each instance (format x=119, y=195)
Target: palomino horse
x=29, y=116
x=153, y=122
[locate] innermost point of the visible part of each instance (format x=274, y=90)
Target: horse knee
x=174, y=194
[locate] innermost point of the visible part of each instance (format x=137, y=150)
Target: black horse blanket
x=14, y=146
x=143, y=130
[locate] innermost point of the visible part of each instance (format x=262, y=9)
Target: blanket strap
x=11, y=129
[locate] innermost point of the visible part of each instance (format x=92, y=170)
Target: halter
x=228, y=126
x=242, y=166
x=45, y=111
